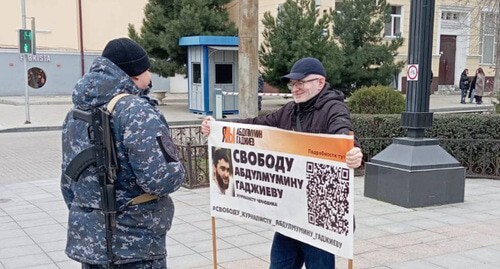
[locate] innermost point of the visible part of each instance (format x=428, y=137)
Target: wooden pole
x=248, y=58
x=214, y=243
x=349, y=264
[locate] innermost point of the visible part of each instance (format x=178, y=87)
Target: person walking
x=480, y=84
x=464, y=85
x=148, y=166
x=316, y=108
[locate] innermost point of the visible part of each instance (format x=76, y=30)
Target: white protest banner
x=296, y=182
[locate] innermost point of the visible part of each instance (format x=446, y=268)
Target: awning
x=224, y=47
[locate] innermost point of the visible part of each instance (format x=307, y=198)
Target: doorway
x=447, y=50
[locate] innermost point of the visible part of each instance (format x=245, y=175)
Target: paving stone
x=415, y=265
x=180, y=250
x=454, y=260
x=26, y=261
x=258, y=250
x=16, y=251
x=241, y=240
x=23, y=240
x=69, y=265
x=254, y=263
x=486, y=255
x=191, y=237
x=229, y=255
x=53, y=246
x=206, y=245
x=188, y=261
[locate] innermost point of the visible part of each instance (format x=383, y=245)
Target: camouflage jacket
x=148, y=163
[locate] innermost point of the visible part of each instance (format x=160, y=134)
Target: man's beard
x=222, y=185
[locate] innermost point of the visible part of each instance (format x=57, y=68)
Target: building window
x=487, y=46
x=196, y=73
x=223, y=73
x=393, y=28
x=450, y=16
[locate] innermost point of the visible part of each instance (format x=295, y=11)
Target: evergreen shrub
x=376, y=100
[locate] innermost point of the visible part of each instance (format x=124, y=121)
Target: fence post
x=218, y=104
x=190, y=165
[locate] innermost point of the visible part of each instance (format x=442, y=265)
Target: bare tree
x=486, y=14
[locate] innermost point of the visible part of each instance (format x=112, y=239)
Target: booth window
x=223, y=73
x=196, y=73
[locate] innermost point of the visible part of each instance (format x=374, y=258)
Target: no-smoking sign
x=413, y=72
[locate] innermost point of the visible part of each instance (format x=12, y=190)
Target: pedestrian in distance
x=147, y=166
x=472, y=88
x=316, y=108
x=480, y=85
x=464, y=85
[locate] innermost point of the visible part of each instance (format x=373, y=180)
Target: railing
x=193, y=153
x=480, y=157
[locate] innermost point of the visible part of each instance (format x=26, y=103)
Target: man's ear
x=322, y=83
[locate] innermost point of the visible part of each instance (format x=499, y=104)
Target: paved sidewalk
x=465, y=235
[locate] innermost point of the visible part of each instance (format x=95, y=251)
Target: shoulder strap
x=145, y=197
x=111, y=104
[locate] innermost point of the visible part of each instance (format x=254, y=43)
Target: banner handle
x=214, y=243
x=349, y=264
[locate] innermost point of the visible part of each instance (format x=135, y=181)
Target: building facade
x=70, y=34
x=464, y=36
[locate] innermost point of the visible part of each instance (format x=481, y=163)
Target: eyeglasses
x=299, y=83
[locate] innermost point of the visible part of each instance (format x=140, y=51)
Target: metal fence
x=480, y=157
x=193, y=153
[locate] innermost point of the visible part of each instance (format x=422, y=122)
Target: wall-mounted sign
x=35, y=57
x=36, y=77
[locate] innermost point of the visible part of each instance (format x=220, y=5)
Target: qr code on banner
x=327, y=192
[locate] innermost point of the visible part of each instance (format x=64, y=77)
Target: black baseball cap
x=303, y=68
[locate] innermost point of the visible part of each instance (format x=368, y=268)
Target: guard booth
x=212, y=64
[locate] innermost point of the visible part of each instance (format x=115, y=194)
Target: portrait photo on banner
x=222, y=181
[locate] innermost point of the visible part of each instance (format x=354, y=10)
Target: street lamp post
x=415, y=171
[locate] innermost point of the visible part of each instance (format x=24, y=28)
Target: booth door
x=196, y=94
x=225, y=80
x=196, y=97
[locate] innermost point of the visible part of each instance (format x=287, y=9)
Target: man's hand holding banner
x=296, y=182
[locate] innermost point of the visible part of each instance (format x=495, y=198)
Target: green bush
x=376, y=100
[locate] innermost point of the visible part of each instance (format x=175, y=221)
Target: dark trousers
x=288, y=253
x=463, y=95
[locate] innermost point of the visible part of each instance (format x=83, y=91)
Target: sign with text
x=296, y=182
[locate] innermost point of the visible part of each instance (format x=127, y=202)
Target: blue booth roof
x=209, y=41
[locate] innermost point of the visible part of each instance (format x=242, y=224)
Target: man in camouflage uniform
x=147, y=163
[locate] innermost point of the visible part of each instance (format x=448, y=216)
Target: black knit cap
x=128, y=55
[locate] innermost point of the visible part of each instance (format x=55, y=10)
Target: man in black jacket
x=317, y=108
